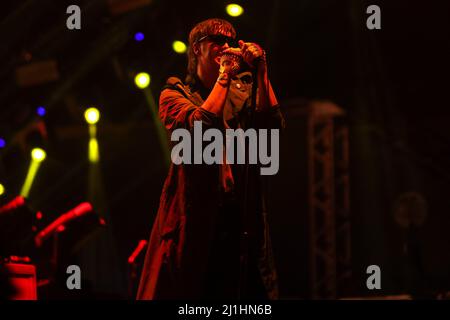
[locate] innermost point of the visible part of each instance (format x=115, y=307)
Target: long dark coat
x=181, y=240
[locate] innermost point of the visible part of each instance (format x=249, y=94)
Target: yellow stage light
x=142, y=80
x=38, y=154
x=179, y=47
x=93, y=150
x=234, y=10
x=92, y=115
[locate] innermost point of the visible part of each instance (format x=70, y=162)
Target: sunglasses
x=219, y=39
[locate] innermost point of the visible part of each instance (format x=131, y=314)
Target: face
x=209, y=52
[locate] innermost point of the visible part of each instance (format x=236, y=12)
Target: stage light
x=2, y=143
x=179, y=46
x=140, y=247
x=2, y=189
x=139, y=36
x=38, y=154
x=93, y=150
x=92, y=115
x=234, y=10
x=40, y=111
x=142, y=80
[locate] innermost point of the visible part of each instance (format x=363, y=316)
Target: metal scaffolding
x=328, y=200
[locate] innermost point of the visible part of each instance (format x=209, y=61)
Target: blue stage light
x=40, y=111
x=139, y=36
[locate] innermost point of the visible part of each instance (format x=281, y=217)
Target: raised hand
x=252, y=53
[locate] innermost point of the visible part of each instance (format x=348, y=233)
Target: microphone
x=76, y=212
x=17, y=202
x=232, y=58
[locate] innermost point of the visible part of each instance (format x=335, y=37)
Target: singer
x=210, y=238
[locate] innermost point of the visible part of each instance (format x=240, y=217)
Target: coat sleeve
x=177, y=111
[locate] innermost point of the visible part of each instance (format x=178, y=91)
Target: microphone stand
x=244, y=241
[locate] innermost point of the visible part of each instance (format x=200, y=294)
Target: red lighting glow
x=136, y=251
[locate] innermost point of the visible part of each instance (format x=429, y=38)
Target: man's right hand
x=230, y=61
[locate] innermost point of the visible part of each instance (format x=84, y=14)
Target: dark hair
x=201, y=29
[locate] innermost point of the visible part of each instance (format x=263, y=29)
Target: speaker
x=22, y=277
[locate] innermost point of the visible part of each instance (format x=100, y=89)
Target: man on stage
x=210, y=238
